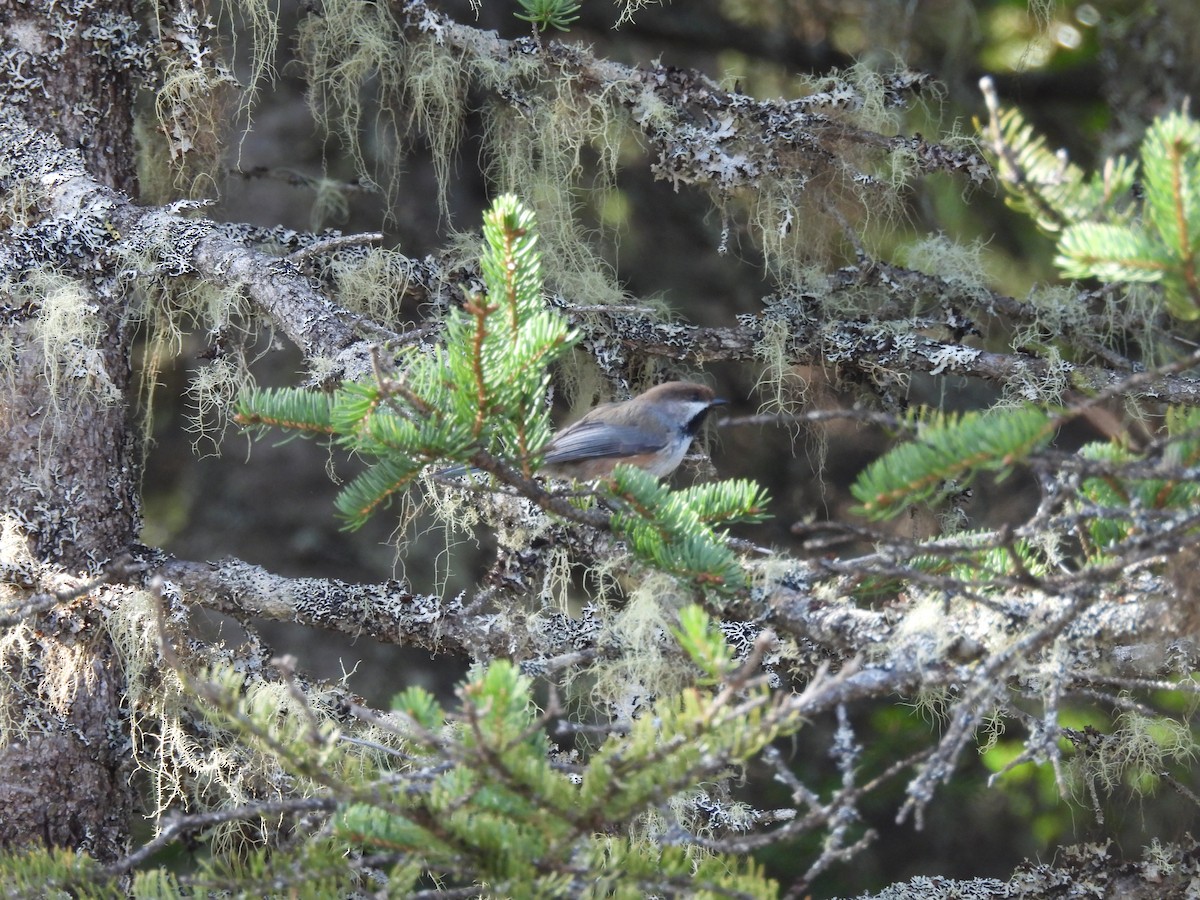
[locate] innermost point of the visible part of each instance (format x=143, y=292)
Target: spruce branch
x=1100, y=235
x=1053, y=191
x=950, y=451
x=478, y=398
x=500, y=788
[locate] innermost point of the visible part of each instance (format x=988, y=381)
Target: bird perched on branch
x=652, y=431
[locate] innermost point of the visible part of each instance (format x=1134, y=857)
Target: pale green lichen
x=649, y=663
x=962, y=266
x=374, y=283
x=195, y=89
x=419, y=88
x=169, y=308
x=538, y=154
x=1134, y=753
x=214, y=753
x=69, y=330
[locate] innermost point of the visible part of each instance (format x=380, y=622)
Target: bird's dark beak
x=704, y=414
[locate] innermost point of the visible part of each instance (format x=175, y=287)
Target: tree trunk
x=68, y=467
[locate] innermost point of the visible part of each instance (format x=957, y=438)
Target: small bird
x=652, y=431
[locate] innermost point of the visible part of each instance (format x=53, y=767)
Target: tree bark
x=68, y=465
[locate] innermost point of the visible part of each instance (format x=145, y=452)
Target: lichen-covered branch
x=1101, y=869
x=705, y=134
x=387, y=611
x=85, y=220
x=81, y=223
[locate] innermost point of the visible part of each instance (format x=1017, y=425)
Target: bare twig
x=176, y=825
x=328, y=245
x=119, y=569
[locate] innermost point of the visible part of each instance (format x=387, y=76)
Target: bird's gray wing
x=592, y=440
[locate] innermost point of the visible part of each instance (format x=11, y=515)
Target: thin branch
x=330, y=244
x=177, y=825
x=119, y=569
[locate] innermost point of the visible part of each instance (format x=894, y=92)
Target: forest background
x=819, y=209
